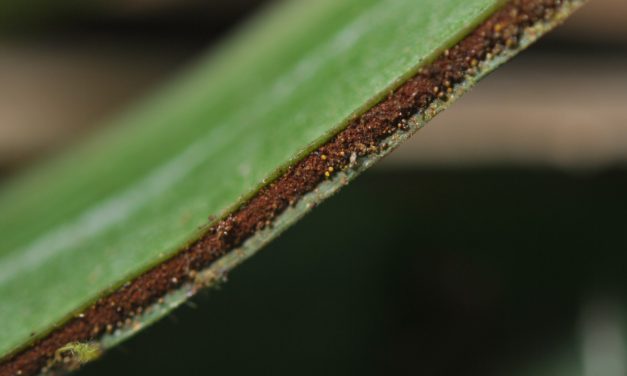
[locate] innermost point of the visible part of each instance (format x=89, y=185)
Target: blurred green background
x=494, y=242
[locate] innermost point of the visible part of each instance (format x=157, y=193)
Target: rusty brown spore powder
x=361, y=137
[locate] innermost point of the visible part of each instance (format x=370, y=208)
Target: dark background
x=483, y=272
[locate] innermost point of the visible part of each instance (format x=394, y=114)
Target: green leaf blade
x=121, y=203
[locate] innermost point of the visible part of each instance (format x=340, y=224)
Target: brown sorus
x=361, y=137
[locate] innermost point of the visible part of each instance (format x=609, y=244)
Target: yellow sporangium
x=75, y=354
